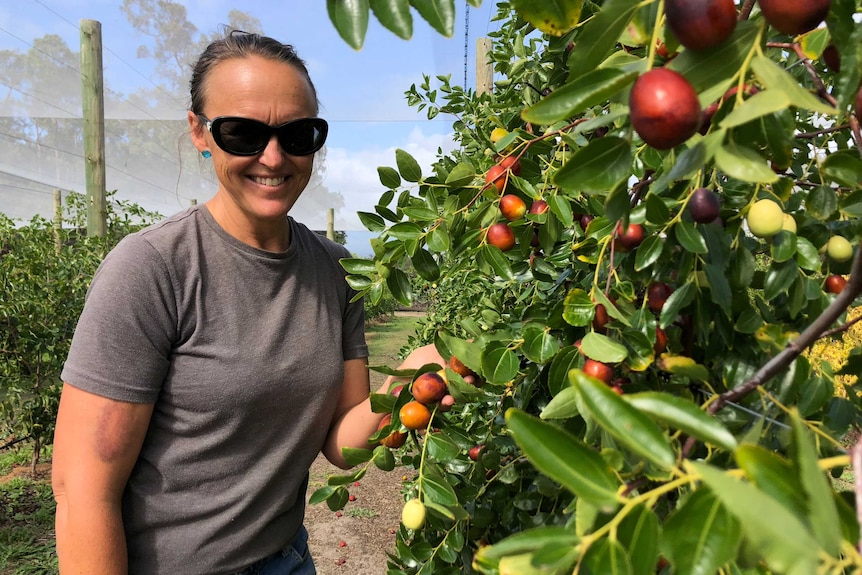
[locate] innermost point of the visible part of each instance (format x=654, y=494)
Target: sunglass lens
x=244, y=137
x=302, y=137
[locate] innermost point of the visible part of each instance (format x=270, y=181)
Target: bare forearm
x=90, y=539
x=352, y=430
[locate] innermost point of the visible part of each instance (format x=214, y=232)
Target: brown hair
x=239, y=44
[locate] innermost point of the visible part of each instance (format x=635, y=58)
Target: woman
x=218, y=352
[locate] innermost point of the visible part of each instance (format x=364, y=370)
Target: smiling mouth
x=268, y=181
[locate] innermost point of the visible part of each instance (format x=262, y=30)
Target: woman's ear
x=197, y=129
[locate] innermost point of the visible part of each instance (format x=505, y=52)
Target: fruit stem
x=655, y=31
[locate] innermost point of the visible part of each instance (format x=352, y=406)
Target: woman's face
x=264, y=187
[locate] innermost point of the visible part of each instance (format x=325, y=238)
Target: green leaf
x=784, y=542
x=774, y=475
x=389, y=177
x=399, y=284
x=350, y=18
x=714, y=66
x=608, y=557
x=408, y=166
x=822, y=512
x=441, y=448
x=597, y=167
x=689, y=237
x=558, y=376
x=355, y=456
x=627, y=425
x=425, y=265
x=564, y=458
x=435, y=487
x=775, y=77
x=358, y=266
x=494, y=257
x=539, y=344
x=639, y=532
x=528, y=541
x=407, y=231
x=395, y=16
x=806, y=255
x=554, y=17
x=763, y=103
x=591, y=89
x=470, y=353
x=701, y=535
x=602, y=348
x=578, y=308
x=821, y=203
x=599, y=36
x=440, y=14
x=499, y=363
x=779, y=278
x=682, y=414
x=678, y=300
x=649, y=252
x=843, y=167
x=462, y=174
x=420, y=213
x=372, y=222
x=383, y=458
x=719, y=287
x=562, y=406
x=744, y=164
x=687, y=164
x=783, y=246
x=321, y=495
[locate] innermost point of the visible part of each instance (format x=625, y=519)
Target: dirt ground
x=357, y=539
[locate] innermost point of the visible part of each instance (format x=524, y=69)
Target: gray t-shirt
x=242, y=351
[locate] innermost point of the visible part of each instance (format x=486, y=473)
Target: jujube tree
x=640, y=388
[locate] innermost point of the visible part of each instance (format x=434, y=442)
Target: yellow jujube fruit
x=765, y=218
x=413, y=514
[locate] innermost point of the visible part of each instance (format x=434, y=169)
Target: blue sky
x=361, y=92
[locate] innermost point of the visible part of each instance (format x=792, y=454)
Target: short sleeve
x=123, y=340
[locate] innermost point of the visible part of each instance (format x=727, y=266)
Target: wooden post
x=58, y=221
x=92, y=83
x=330, y=224
x=484, y=67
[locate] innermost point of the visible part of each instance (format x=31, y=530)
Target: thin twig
x=745, y=11
x=795, y=348
x=824, y=131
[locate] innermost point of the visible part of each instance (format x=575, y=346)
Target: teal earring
x=206, y=154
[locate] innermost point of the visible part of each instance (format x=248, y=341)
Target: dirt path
x=357, y=540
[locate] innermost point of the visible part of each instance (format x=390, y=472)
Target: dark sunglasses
x=247, y=137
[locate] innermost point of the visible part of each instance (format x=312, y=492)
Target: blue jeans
x=295, y=559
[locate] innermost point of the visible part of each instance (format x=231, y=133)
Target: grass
x=27, y=504
x=26, y=520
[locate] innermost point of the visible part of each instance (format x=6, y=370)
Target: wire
x=466, y=39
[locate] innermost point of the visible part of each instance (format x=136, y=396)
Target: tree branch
x=745, y=11
x=795, y=348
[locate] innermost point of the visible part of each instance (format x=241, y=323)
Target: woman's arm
x=354, y=422
x=96, y=443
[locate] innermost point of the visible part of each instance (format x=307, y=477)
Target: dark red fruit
x=794, y=16
x=664, y=108
x=539, y=207
x=601, y=319
x=475, y=451
x=630, y=238
x=511, y=163
x=585, y=220
x=706, y=118
x=700, y=24
x=657, y=294
x=395, y=439
x=832, y=58
x=660, y=345
x=703, y=206
x=599, y=370
x=501, y=236
x=835, y=284
x=429, y=388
